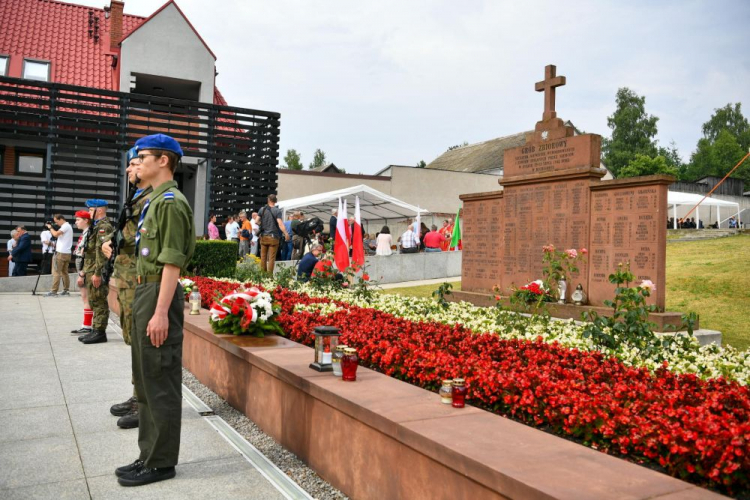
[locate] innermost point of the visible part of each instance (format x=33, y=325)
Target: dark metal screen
x=83, y=134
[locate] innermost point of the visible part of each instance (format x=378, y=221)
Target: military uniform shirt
x=94, y=258
x=168, y=232
x=125, y=261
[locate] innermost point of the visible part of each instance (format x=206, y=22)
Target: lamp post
x=326, y=340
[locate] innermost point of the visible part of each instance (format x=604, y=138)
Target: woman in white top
x=10, y=245
x=384, y=242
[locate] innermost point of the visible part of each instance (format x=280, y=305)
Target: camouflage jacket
x=125, y=261
x=94, y=258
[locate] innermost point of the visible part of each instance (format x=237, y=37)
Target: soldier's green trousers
x=125, y=297
x=98, y=302
x=158, y=378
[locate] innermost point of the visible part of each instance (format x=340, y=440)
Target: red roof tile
x=59, y=32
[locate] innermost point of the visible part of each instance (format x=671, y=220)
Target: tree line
x=633, y=150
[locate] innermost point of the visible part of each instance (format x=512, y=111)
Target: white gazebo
x=373, y=205
x=676, y=199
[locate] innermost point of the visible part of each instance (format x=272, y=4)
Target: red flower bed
x=694, y=429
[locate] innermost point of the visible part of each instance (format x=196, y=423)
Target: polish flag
x=358, y=248
x=341, y=245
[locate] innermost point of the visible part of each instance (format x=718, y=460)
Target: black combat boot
x=89, y=335
x=122, y=409
x=129, y=421
x=98, y=336
x=127, y=469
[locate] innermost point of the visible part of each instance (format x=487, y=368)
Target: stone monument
x=553, y=193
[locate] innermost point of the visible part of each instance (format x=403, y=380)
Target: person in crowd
x=700, y=224
x=433, y=240
x=164, y=245
x=232, y=229
x=94, y=261
x=384, y=242
x=61, y=260
x=308, y=262
x=298, y=242
x=670, y=223
x=423, y=229
x=10, y=245
x=246, y=234
x=213, y=231
x=48, y=251
x=82, y=222
x=369, y=244
x=286, y=247
x=21, y=254
x=732, y=223
x=127, y=280
x=271, y=229
x=255, y=242
x=409, y=240
x=446, y=231
x=332, y=226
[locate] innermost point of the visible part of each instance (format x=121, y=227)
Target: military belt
x=152, y=278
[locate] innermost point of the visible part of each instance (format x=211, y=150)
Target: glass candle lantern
x=336, y=360
x=446, y=392
x=349, y=364
x=195, y=301
x=579, y=297
x=459, y=393
x=326, y=340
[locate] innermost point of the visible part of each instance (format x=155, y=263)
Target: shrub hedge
x=214, y=258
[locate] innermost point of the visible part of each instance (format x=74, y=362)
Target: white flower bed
x=709, y=361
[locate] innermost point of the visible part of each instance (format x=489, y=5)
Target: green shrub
x=215, y=258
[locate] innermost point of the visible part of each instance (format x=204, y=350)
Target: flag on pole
x=341, y=245
x=358, y=247
x=347, y=226
x=456, y=237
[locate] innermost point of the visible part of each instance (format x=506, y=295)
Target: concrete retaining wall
x=397, y=268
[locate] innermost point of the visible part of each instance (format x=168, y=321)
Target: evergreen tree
x=421, y=164
x=292, y=160
x=633, y=132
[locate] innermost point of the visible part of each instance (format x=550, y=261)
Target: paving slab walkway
x=57, y=437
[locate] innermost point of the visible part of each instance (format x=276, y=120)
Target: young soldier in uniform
x=94, y=262
x=125, y=275
x=164, y=244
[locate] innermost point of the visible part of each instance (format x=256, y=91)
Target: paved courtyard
x=57, y=437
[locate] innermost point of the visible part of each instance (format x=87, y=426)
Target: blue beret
x=96, y=203
x=132, y=153
x=158, y=141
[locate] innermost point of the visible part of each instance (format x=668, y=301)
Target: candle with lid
x=195, y=301
x=459, y=393
x=336, y=360
x=326, y=340
x=446, y=392
x=349, y=364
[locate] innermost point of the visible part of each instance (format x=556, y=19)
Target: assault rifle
x=118, y=241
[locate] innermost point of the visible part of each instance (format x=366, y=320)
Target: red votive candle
x=349, y=364
x=459, y=393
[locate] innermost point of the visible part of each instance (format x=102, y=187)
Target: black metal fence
x=82, y=134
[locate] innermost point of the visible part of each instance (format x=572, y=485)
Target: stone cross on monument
x=548, y=86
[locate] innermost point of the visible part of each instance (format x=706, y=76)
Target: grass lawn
x=709, y=277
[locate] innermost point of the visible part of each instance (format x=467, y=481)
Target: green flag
x=456, y=231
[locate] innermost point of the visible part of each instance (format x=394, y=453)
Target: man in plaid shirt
x=409, y=241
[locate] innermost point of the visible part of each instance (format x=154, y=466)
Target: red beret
x=83, y=214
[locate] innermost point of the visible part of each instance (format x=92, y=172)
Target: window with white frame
x=4, y=65
x=36, y=70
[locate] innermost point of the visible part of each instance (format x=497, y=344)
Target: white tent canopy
x=675, y=199
x=373, y=204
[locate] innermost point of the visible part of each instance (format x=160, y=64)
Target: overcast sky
x=374, y=83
